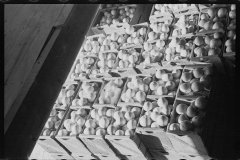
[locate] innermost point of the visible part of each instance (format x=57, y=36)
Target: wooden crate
x=145, y=130
x=75, y=146
x=119, y=26
x=117, y=95
x=192, y=9
x=204, y=7
x=62, y=156
x=154, y=18
x=89, y=104
x=167, y=69
x=194, y=17
x=96, y=143
x=136, y=102
x=136, y=28
x=193, y=96
x=126, y=145
x=229, y=28
x=49, y=143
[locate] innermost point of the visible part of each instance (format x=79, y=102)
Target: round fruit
x=145, y=121
x=121, y=121
x=111, y=130
x=231, y=34
x=104, y=122
x=214, y=43
x=182, y=117
x=132, y=124
x=230, y=42
x=199, y=41
x=207, y=39
x=214, y=51
x=201, y=52
x=217, y=25
x=167, y=77
x=162, y=102
x=191, y=111
x=208, y=25
x=147, y=106
x=200, y=102
x=140, y=96
x=230, y=49
x=136, y=111
x=129, y=132
x=208, y=70
x=186, y=126
x=232, y=14
x=212, y=12
x=101, y=132
x=197, y=72
x=218, y=35
x=186, y=76
x=181, y=108
x=162, y=120
x=119, y=133
x=197, y=86
x=89, y=131
x=197, y=121
x=162, y=90
x=159, y=73
x=202, y=22
x=174, y=127
x=185, y=88
x=222, y=12
x=117, y=114
x=129, y=115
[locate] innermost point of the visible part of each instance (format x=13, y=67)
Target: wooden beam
x=26, y=126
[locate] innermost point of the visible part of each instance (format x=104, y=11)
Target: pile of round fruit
x=73, y=125
x=207, y=45
x=114, y=16
x=231, y=35
x=99, y=121
x=196, y=82
x=153, y=52
x=106, y=62
x=178, y=49
x=53, y=122
x=64, y=97
x=159, y=30
x=156, y=114
x=164, y=8
x=166, y=82
x=124, y=121
x=136, y=90
x=185, y=24
x=128, y=57
x=83, y=67
x=190, y=117
x=101, y=44
x=87, y=93
x=213, y=19
x=111, y=92
x=134, y=35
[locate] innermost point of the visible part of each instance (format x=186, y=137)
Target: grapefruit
x=200, y=102
x=181, y=108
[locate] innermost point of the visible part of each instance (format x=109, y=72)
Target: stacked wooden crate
x=141, y=88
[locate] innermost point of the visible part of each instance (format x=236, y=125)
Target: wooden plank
x=16, y=28
x=29, y=81
x=64, y=14
x=22, y=68
x=22, y=134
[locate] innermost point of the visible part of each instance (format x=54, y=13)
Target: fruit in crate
x=136, y=89
x=86, y=94
x=128, y=58
x=110, y=92
x=124, y=121
x=196, y=81
x=184, y=25
x=156, y=116
x=135, y=36
x=165, y=82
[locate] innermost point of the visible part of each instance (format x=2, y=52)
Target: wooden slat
x=39, y=28
x=64, y=14
x=31, y=77
x=16, y=27
x=37, y=105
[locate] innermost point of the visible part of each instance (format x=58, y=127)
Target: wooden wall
x=27, y=27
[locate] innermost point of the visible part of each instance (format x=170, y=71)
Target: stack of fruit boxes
x=230, y=34
x=209, y=40
x=129, y=14
x=47, y=138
